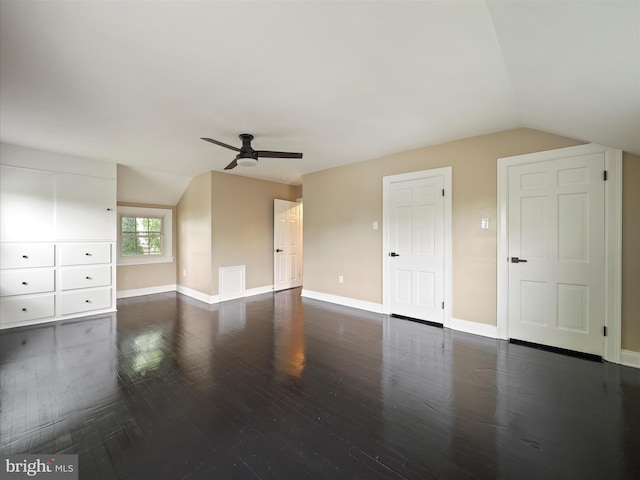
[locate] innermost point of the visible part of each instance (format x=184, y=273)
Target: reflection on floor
x=276, y=386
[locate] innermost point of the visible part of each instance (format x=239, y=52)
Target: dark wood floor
x=279, y=387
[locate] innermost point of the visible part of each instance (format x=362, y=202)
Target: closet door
x=85, y=208
x=27, y=203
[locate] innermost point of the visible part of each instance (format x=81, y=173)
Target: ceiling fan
x=247, y=156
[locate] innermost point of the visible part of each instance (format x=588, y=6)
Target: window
x=141, y=235
x=144, y=235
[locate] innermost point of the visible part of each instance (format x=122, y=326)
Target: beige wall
x=131, y=277
x=226, y=220
x=341, y=203
x=631, y=252
x=242, y=220
x=194, y=235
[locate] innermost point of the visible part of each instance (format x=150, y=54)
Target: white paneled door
x=556, y=241
x=416, y=247
x=287, y=241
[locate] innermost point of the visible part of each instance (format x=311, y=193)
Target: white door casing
x=417, y=231
x=556, y=211
x=287, y=241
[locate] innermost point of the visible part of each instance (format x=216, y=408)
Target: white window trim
x=167, y=241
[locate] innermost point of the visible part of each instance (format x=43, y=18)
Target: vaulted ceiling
x=139, y=82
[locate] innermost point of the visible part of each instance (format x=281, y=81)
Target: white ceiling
x=139, y=82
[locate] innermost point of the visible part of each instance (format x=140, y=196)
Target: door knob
x=278, y=250
x=518, y=260
x=394, y=254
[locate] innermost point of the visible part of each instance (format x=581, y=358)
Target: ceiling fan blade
x=221, y=144
x=233, y=164
x=269, y=154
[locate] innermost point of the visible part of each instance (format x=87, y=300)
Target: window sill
x=143, y=261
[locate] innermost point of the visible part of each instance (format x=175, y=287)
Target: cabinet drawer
x=26, y=255
x=22, y=282
x=85, y=301
x=17, y=309
x=72, y=278
x=85, y=253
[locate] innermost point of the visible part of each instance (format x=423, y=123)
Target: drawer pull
x=88, y=254
x=88, y=278
x=108, y=209
x=87, y=301
x=24, y=309
x=25, y=283
x=25, y=256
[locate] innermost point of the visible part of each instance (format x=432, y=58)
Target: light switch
x=484, y=223
x=375, y=225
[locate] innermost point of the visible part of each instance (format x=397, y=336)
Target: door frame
x=613, y=238
x=445, y=172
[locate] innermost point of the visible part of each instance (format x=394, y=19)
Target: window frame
x=165, y=214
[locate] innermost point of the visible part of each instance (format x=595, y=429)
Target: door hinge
x=443, y=305
x=604, y=331
x=604, y=175
x=443, y=192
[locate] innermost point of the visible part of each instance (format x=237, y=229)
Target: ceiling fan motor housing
x=247, y=156
x=246, y=139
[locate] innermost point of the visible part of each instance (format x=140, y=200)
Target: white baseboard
x=345, y=301
x=203, y=297
x=630, y=358
x=475, y=328
x=137, y=292
x=211, y=299
x=250, y=292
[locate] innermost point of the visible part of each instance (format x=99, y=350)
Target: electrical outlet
x=184, y=273
x=375, y=225
x=340, y=279
x=484, y=223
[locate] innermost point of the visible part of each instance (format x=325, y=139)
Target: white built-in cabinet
x=28, y=207
x=85, y=207
x=57, y=237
